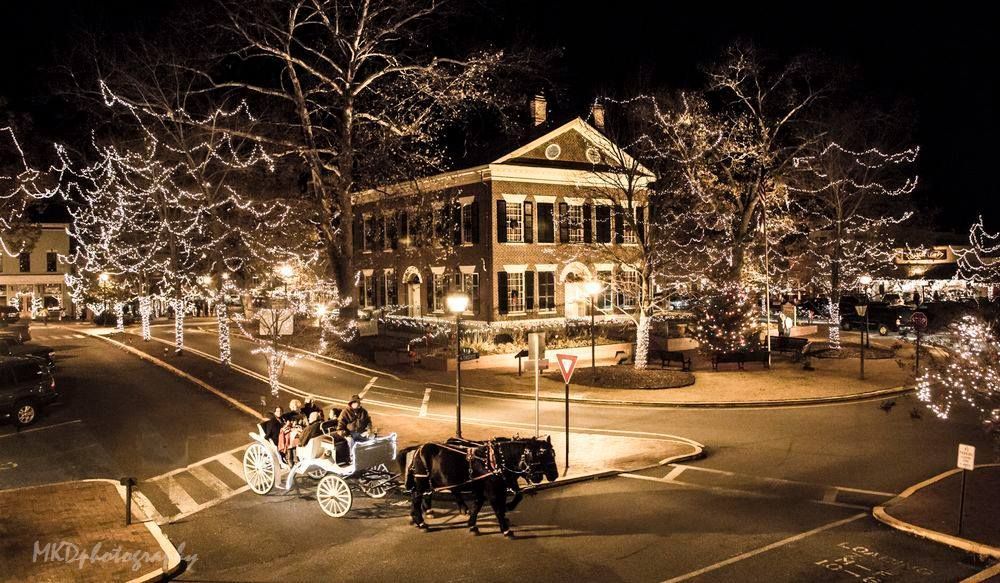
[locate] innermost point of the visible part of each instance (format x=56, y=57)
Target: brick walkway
x=75, y=531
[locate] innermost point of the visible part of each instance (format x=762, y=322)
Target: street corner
x=76, y=531
x=958, y=508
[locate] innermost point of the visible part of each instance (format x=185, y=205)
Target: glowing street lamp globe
x=321, y=310
x=286, y=271
x=593, y=287
x=457, y=303
x=104, y=277
x=865, y=280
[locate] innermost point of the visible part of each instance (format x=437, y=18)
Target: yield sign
x=567, y=362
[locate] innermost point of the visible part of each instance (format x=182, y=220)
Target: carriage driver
x=354, y=420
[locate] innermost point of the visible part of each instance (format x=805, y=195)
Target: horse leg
x=498, y=500
x=480, y=499
x=416, y=507
x=463, y=508
x=518, y=496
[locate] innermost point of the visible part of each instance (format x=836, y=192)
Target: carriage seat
x=317, y=447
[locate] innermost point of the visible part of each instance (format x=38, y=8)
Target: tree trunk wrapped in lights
x=222, y=315
x=145, y=311
x=120, y=317
x=179, y=307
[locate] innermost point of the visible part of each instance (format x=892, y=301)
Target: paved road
x=116, y=416
x=856, y=445
x=621, y=529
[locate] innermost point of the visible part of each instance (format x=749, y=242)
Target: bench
x=740, y=358
x=668, y=356
x=621, y=357
x=797, y=346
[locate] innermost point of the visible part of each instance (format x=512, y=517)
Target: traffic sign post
x=919, y=321
x=967, y=462
x=536, y=352
x=567, y=363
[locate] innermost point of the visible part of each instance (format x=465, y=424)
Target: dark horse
x=486, y=469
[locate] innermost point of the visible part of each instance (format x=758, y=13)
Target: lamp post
x=866, y=281
x=592, y=288
x=862, y=309
x=457, y=304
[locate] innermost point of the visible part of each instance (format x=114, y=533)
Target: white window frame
x=515, y=233
x=439, y=288
x=606, y=301
x=629, y=235
x=538, y=279
x=389, y=276
x=470, y=287
x=512, y=277
x=629, y=299
x=368, y=283
x=367, y=233
x=574, y=218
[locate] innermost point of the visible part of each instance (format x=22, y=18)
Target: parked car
x=26, y=385
x=39, y=351
x=881, y=318
x=11, y=326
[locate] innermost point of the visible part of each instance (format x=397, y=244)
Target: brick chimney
x=539, y=110
x=597, y=115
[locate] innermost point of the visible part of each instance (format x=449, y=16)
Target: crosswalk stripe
x=206, y=477
x=146, y=506
x=178, y=495
x=231, y=463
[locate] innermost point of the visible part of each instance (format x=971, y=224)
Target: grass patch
x=627, y=377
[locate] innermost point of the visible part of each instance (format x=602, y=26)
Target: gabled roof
x=517, y=159
x=589, y=133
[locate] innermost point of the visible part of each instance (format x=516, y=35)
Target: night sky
x=944, y=63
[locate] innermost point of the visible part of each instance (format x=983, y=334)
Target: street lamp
x=862, y=309
x=592, y=288
x=865, y=281
x=457, y=304
x=103, y=278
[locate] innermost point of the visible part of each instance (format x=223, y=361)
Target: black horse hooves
x=421, y=525
x=474, y=529
x=508, y=533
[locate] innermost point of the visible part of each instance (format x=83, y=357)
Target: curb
x=870, y=395
x=880, y=513
x=698, y=454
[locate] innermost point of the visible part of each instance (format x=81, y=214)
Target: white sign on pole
x=536, y=345
x=966, y=456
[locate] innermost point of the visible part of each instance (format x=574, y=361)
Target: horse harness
x=493, y=461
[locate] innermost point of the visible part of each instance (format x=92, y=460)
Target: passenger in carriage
x=354, y=420
x=294, y=412
x=272, y=426
x=309, y=407
x=311, y=430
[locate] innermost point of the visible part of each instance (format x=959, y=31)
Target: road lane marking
x=231, y=464
x=364, y=391
x=32, y=430
x=678, y=470
x=208, y=478
x=767, y=548
x=426, y=401
x=178, y=495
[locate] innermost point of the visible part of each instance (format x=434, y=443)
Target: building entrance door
x=576, y=303
x=413, y=299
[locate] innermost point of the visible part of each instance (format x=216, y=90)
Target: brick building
x=36, y=278
x=519, y=234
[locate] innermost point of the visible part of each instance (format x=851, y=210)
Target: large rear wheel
x=334, y=496
x=259, y=469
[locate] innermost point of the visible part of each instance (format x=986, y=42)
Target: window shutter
x=430, y=293
x=475, y=222
x=603, y=213
x=563, y=224
x=379, y=291
x=358, y=226
x=640, y=223
x=529, y=222
x=529, y=290
x=456, y=223
x=392, y=224
x=619, y=225
x=503, y=305
x=588, y=224
x=501, y=221
x=545, y=233
x=403, y=224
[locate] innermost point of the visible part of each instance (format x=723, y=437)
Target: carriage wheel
x=316, y=473
x=377, y=486
x=334, y=496
x=259, y=469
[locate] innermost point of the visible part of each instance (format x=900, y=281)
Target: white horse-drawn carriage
x=367, y=463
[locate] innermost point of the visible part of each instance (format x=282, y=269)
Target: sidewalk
x=930, y=510
x=785, y=383
x=75, y=531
